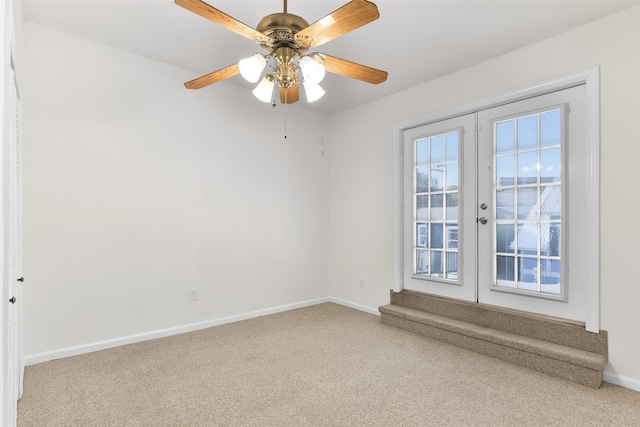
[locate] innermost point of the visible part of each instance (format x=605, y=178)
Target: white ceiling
x=415, y=41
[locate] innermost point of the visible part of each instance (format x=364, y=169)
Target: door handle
x=12, y=300
x=21, y=279
x=482, y=220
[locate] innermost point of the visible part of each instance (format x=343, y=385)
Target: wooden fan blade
x=215, y=77
x=353, y=70
x=291, y=95
x=212, y=14
x=352, y=15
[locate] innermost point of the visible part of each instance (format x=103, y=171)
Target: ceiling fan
x=287, y=38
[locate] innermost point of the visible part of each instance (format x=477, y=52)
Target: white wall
x=362, y=169
x=137, y=189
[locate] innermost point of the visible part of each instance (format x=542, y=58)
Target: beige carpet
x=325, y=365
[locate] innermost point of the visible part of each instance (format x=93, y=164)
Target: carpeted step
x=573, y=364
x=559, y=331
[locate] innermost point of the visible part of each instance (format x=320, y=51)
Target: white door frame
x=15, y=224
x=11, y=359
x=591, y=78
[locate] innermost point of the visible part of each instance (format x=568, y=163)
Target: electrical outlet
x=193, y=294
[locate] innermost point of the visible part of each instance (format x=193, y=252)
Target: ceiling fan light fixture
x=252, y=67
x=264, y=91
x=313, y=91
x=287, y=38
x=312, y=70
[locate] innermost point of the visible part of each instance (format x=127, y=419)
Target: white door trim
x=11, y=359
x=591, y=78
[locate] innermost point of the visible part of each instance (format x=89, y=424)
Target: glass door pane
x=528, y=195
x=436, y=201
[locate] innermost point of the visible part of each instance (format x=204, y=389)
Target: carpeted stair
x=557, y=347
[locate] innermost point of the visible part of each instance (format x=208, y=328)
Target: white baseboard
x=622, y=381
x=354, y=305
x=34, y=359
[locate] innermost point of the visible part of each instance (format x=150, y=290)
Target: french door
x=493, y=205
x=531, y=166
x=439, y=208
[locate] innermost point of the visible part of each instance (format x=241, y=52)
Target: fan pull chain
x=285, y=114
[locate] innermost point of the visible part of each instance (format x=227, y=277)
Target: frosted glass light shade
x=312, y=71
x=264, y=90
x=313, y=91
x=252, y=67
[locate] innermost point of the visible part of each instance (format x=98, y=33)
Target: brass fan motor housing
x=281, y=28
x=281, y=21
